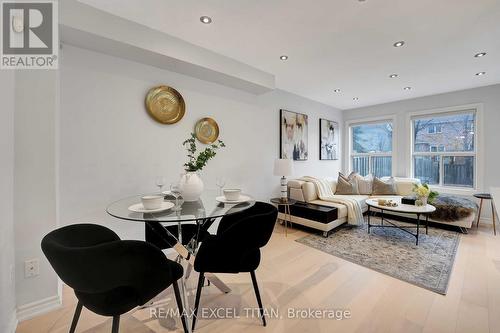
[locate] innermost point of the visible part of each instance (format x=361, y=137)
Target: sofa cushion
x=295, y=183
x=404, y=186
x=342, y=209
x=384, y=188
x=346, y=186
x=365, y=184
x=309, y=191
x=359, y=198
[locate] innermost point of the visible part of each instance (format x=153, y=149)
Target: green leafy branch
x=196, y=163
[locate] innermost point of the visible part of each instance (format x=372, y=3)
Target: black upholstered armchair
x=236, y=247
x=109, y=276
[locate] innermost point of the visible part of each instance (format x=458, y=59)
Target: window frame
x=370, y=121
x=476, y=153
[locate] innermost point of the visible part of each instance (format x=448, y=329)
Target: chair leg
x=76, y=316
x=201, y=280
x=257, y=294
x=116, y=324
x=180, y=306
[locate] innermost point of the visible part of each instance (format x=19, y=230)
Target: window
x=448, y=159
x=435, y=128
x=435, y=148
x=371, y=148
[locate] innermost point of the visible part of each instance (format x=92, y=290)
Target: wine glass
x=175, y=190
x=160, y=182
x=220, y=182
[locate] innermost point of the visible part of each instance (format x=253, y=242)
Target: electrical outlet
x=31, y=268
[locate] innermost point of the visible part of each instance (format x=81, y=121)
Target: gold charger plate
x=165, y=104
x=206, y=130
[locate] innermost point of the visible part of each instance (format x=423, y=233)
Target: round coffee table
x=400, y=208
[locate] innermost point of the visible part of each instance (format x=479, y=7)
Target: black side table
x=286, y=204
x=486, y=196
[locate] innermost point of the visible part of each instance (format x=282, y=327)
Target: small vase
x=421, y=201
x=191, y=186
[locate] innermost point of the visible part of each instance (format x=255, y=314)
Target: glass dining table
x=167, y=225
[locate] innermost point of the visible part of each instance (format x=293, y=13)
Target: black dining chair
x=236, y=247
x=109, y=276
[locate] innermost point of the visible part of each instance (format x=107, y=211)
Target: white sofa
x=306, y=192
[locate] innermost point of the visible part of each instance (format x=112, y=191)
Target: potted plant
x=191, y=184
x=423, y=194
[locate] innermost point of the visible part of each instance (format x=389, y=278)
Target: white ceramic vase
x=421, y=201
x=191, y=186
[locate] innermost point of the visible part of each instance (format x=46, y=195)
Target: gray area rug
x=393, y=252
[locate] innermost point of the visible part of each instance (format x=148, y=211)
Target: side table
x=286, y=205
x=486, y=196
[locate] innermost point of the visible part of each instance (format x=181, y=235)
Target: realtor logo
x=29, y=35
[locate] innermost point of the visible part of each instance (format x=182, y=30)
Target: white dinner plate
x=139, y=208
x=243, y=198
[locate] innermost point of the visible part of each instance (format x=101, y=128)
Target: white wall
x=7, y=283
x=111, y=148
x=490, y=98
x=35, y=184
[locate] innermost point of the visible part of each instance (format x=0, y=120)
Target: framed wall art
x=293, y=135
x=328, y=140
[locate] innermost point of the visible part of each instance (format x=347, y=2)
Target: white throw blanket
x=325, y=193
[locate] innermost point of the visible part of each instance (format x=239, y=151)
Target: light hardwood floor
x=295, y=276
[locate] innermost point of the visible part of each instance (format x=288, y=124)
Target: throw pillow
x=346, y=186
x=365, y=184
x=384, y=188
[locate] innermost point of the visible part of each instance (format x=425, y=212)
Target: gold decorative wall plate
x=206, y=130
x=165, y=104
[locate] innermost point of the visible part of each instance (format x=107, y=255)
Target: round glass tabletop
x=206, y=207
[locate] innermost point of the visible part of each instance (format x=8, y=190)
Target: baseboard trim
x=487, y=220
x=37, y=308
x=12, y=326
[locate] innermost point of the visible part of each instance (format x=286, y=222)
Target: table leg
x=426, y=224
x=479, y=214
x=187, y=255
x=369, y=218
x=493, y=216
x=418, y=227
x=290, y=216
x=287, y=220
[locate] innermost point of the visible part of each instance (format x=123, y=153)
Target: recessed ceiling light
x=479, y=55
x=480, y=73
x=336, y=90
x=392, y=76
x=355, y=99
x=399, y=44
x=206, y=19
x=407, y=88
x=284, y=57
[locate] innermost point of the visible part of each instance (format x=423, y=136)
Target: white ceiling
x=345, y=44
